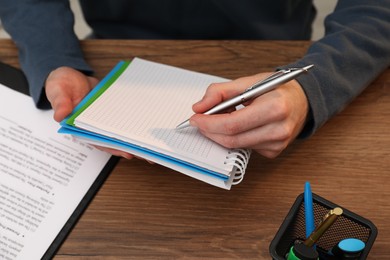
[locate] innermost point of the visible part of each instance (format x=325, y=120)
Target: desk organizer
x=348, y=225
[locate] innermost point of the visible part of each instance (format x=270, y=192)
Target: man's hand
x=267, y=124
x=65, y=88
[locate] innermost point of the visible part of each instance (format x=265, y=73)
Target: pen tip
x=183, y=125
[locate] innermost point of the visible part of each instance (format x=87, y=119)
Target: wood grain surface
x=146, y=211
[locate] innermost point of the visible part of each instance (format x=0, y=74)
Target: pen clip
x=273, y=76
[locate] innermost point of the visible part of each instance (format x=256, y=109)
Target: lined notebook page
x=145, y=104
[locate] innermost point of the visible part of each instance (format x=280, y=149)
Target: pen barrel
x=261, y=88
x=308, y=207
x=254, y=91
x=320, y=230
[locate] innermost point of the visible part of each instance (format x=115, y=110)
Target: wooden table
x=147, y=211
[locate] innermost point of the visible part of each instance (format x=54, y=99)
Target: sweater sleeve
x=43, y=33
x=353, y=52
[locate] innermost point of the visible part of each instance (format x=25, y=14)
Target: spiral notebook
x=137, y=107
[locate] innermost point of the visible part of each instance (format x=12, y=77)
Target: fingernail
x=193, y=123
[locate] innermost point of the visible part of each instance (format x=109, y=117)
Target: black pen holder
x=348, y=225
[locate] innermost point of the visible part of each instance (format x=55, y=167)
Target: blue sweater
x=354, y=51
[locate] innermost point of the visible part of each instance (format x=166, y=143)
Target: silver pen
x=273, y=81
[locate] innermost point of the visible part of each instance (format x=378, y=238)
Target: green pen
x=302, y=252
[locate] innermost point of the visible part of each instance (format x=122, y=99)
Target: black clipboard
x=60, y=238
x=15, y=79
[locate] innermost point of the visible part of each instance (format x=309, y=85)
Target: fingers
x=218, y=92
x=62, y=107
x=268, y=140
x=245, y=123
x=120, y=153
x=267, y=125
x=115, y=152
x=260, y=112
x=65, y=88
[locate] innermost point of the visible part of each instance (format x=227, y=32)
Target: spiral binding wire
x=239, y=159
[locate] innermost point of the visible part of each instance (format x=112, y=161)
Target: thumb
x=219, y=92
x=211, y=97
x=215, y=94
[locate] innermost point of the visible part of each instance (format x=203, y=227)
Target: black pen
x=276, y=79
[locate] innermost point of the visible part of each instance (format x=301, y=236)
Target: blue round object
x=351, y=245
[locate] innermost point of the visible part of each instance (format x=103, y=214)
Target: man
x=354, y=51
